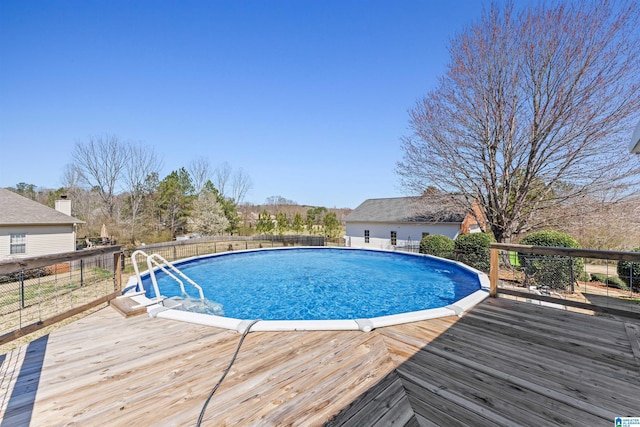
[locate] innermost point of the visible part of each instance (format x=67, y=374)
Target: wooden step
x=127, y=307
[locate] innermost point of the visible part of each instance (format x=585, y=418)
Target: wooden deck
x=505, y=363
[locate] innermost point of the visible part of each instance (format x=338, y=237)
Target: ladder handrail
x=151, y=260
x=137, y=270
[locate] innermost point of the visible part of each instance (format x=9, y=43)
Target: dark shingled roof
x=434, y=209
x=18, y=210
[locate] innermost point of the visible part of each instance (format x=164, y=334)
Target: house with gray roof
x=28, y=228
x=403, y=221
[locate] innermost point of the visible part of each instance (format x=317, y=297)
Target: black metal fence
x=180, y=249
x=35, y=290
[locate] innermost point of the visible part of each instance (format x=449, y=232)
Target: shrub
x=555, y=271
x=613, y=281
x=630, y=272
x=473, y=249
x=437, y=245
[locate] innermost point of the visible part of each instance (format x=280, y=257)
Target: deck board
x=537, y=370
x=633, y=332
x=504, y=363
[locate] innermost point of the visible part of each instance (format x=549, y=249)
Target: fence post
x=572, y=274
x=493, y=272
x=81, y=272
x=22, y=302
x=117, y=270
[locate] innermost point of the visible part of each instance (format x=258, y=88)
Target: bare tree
x=99, y=163
x=221, y=175
x=200, y=171
x=534, y=110
x=275, y=202
x=142, y=162
x=240, y=185
x=82, y=202
x=71, y=178
x=599, y=224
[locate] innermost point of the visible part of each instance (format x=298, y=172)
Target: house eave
x=40, y=224
x=404, y=222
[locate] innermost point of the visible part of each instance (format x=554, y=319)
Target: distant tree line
x=117, y=183
x=318, y=221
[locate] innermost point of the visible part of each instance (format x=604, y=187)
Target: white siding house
x=403, y=221
x=28, y=228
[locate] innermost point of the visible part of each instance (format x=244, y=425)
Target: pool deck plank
x=503, y=363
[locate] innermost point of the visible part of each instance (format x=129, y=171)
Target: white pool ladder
x=155, y=261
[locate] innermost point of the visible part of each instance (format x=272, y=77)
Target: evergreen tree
x=298, y=224
x=310, y=225
x=282, y=224
x=175, y=200
x=264, y=224
x=331, y=225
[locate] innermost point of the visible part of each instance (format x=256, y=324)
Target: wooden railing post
x=117, y=271
x=493, y=272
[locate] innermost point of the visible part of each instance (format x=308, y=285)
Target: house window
x=18, y=244
x=366, y=236
x=394, y=238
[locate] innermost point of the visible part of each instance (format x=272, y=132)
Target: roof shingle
x=18, y=210
x=437, y=208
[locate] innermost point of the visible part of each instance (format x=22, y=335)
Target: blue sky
x=309, y=98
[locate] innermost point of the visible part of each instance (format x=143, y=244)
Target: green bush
x=630, y=270
x=473, y=249
x=613, y=281
x=554, y=271
x=437, y=245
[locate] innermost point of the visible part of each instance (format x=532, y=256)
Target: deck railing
x=38, y=292
x=580, y=279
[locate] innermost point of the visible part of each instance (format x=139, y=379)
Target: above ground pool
x=315, y=288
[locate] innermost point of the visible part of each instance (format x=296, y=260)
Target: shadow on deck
x=509, y=363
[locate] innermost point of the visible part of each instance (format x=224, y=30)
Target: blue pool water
x=321, y=284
